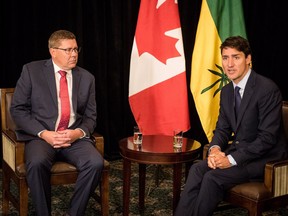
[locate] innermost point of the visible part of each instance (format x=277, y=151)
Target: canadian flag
x=157, y=84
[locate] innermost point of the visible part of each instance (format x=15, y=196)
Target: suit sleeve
x=267, y=133
x=86, y=105
x=20, y=109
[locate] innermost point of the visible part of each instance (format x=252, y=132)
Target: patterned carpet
x=158, y=199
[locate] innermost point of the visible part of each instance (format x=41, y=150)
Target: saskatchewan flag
x=218, y=20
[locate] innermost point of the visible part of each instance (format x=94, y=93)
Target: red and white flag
x=157, y=84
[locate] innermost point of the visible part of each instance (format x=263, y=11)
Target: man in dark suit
x=257, y=130
x=37, y=111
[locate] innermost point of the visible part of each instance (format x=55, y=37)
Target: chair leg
x=5, y=187
x=104, y=192
x=254, y=209
x=20, y=202
x=23, y=197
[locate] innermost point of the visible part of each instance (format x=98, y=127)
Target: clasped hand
x=218, y=159
x=61, y=139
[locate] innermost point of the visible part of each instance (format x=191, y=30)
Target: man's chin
x=73, y=65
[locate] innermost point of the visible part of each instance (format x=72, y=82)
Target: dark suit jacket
x=34, y=106
x=259, y=135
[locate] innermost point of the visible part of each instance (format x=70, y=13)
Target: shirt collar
x=57, y=68
x=243, y=82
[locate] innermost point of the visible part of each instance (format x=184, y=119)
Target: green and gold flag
x=218, y=20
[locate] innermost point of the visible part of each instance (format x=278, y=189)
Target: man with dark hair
x=253, y=114
x=54, y=108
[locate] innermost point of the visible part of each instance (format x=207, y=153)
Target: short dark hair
x=237, y=42
x=57, y=36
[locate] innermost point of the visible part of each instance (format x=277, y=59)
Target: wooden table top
x=159, y=149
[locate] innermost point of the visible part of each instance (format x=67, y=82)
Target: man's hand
x=222, y=161
x=218, y=159
x=61, y=139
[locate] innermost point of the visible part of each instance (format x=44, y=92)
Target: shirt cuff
x=39, y=134
x=231, y=160
x=214, y=146
x=84, y=134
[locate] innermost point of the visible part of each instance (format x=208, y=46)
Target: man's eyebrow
x=234, y=55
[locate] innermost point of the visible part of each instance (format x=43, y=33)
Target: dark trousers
x=40, y=156
x=205, y=188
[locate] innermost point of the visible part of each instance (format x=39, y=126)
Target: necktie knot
x=62, y=73
x=237, y=90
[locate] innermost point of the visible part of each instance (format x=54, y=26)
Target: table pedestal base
x=177, y=177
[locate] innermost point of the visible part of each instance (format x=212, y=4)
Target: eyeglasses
x=69, y=51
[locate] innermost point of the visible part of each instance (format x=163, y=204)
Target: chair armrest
x=99, y=142
x=276, y=177
x=13, y=150
x=205, y=151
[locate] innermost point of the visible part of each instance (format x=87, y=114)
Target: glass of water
x=137, y=139
x=178, y=138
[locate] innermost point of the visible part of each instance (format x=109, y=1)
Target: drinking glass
x=137, y=139
x=178, y=138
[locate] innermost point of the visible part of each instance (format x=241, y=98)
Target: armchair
x=13, y=166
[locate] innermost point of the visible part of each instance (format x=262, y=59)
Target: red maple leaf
x=151, y=27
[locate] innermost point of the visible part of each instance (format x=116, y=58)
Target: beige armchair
x=13, y=166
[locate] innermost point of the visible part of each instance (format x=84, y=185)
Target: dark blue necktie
x=237, y=99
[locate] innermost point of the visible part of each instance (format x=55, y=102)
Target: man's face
x=64, y=59
x=235, y=64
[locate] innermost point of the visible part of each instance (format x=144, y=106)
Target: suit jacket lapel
x=50, y=77
x=76, y=81
x=231, y=102
x=249, y=89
